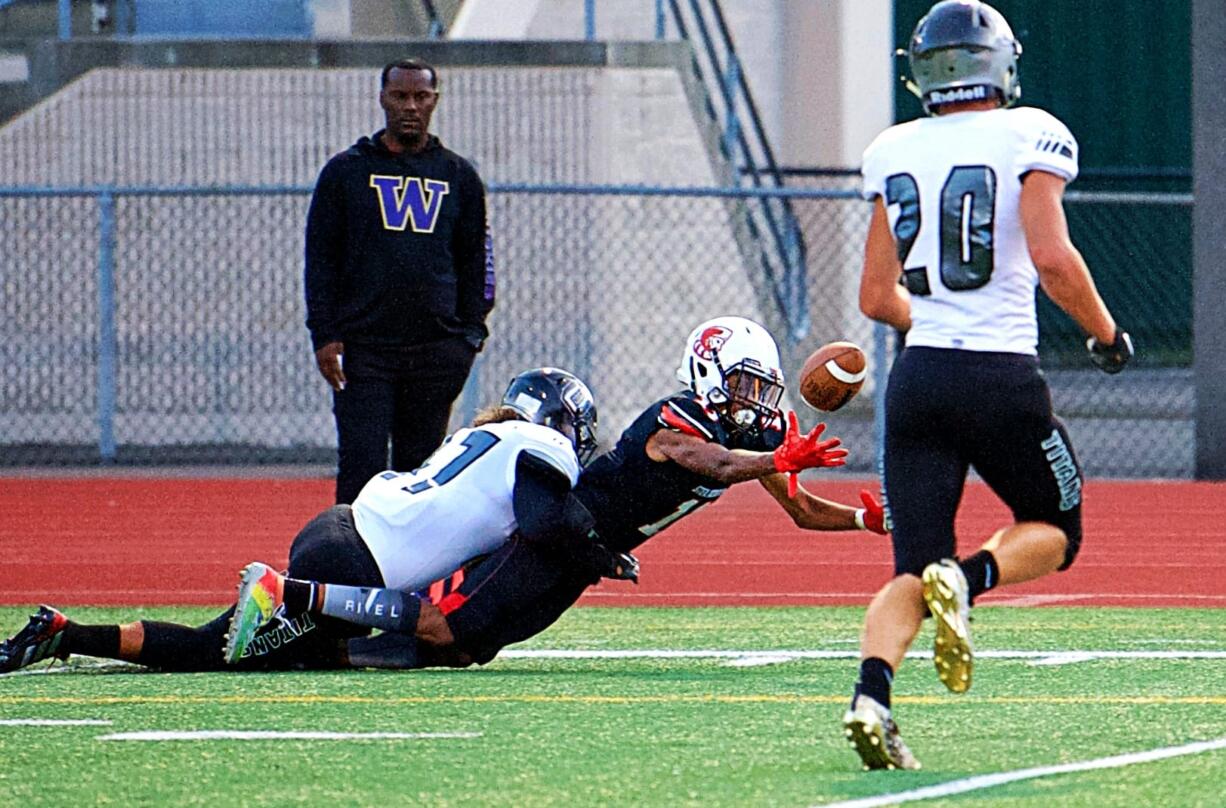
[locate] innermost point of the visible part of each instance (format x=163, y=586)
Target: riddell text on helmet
x=975, y=93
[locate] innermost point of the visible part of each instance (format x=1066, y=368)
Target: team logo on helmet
x=710, y=341
x=574, y=395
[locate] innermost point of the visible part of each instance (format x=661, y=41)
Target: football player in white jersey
x=508, y=474
x=678, y=456
x=967, y=221
x=511, y=472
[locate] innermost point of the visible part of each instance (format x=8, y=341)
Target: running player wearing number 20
x=968, y=211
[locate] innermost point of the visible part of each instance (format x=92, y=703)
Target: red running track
x=147, y=541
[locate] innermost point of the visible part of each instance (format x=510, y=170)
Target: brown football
x=832, y=375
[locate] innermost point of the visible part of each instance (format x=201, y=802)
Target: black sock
x=97, y=641
x=174, y=647
x=981, y=572
x=876, y=677
x=299, y=596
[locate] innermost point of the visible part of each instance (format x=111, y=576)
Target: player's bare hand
x=330, y=360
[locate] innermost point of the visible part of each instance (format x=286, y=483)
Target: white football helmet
x=732, y=365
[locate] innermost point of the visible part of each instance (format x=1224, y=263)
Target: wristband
x=860, y=518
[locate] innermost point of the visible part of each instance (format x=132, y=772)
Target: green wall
x=1119, y=74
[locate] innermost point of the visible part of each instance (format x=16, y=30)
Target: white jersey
x=951, y=184
x=422, y=525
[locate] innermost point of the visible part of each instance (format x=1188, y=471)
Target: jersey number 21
x=968, y=207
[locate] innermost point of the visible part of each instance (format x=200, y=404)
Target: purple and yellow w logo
x=409, y=200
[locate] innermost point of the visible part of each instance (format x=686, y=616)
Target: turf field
x=696, y=706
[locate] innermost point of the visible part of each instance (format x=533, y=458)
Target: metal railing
x=730, y=105
x=436, y=28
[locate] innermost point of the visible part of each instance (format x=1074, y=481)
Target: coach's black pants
x=404, y=394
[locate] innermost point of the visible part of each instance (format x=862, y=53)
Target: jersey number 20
x=968, y=209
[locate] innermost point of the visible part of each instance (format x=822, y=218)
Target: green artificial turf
x=648, y=729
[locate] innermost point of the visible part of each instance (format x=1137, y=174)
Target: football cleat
x=947, y=595
x=260, y=592
x=39, y=640
x=871, y=731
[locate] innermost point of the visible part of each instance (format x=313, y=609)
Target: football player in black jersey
x=681, y=453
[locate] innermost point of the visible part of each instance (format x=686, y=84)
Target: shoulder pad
x=1046, y=143
x=687, y=416
x=553, y=448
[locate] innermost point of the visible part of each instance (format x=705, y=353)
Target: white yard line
x=78, y=665
x=861, y=598
x=769, y=655
x=273, y=735
x=736, y=658
x=1001, y=778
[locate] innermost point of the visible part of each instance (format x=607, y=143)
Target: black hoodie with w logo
x=398, y=250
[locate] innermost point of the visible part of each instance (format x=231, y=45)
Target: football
x=832, y=375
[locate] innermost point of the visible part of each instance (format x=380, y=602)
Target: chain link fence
x=165, y=326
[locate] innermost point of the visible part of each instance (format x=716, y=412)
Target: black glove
x=615, y=566
x=1111, y=358
x=627, y=568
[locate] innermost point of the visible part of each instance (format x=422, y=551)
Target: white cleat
x=871, y=731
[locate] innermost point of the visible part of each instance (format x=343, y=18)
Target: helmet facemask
x=583, y=427
x=752, y=394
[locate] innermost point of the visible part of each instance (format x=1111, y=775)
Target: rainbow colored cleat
x=260, y=592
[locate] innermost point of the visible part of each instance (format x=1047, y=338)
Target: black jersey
x=634, y=497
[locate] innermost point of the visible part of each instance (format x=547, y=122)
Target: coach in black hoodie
x=399, y=281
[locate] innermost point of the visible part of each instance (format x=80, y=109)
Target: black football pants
x=948, y=411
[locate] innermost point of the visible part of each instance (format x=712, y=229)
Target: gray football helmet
x=964, y=50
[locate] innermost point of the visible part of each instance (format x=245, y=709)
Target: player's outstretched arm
x=731, y=466
x=812, y=512
x=708, y=458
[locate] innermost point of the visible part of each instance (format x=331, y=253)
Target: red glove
x=799, y=452
x=872, y=515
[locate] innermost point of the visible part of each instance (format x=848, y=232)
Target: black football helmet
x=559, y=400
